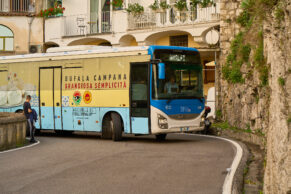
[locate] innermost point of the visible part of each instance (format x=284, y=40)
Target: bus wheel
x=106, y=128
x=116, y=127
x=161, y=137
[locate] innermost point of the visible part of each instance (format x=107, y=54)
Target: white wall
x=117, y=25
x=54, y=29
x=76, y=7
x=20, y=29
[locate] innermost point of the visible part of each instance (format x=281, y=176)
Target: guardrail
x=173, y=17
x=84, y=24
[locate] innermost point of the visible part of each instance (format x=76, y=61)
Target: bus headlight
x=163, y=122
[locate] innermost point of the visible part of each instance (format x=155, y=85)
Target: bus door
x=50, y=98
x=139, y=98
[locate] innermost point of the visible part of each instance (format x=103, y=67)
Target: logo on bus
x=77, y=97
x=87, y=97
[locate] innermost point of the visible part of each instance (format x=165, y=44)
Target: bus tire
x=161, y=137
x=106, y=127
x=116, y=127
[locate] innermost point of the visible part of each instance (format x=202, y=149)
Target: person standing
x=27, y=112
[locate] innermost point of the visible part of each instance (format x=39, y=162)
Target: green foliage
x=253, y=12
x=235, y=74
x=164, y=5
x=155, y=5
x=218, y=114
x=259, y=132
x=226, y=126
x=228, y=20
x=264, y=75
x=259, y=53
x=203, y=3
x=231, y=70
x=246, y=50
x=279, y=14
x=206, y=3
x=257, y=99
x=248, y=5
x=221, y=125
x=281, y=81
x=135, y=9
x=117, y=4
x=194, y=3
x=250, y=182
x=181, y=5
x=260, y=61
x=269, y=3
x=244, y=19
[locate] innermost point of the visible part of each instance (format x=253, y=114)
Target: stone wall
x=12, y=130
x=266, y=109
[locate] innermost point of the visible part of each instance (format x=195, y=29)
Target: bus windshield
x=183, y=78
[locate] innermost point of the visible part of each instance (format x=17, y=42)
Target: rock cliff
x=254, y=91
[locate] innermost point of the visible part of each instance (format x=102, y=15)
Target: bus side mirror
x=162, y=71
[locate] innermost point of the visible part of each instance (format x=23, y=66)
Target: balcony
x=86, y=24
x=16, y=7
x=172, y=17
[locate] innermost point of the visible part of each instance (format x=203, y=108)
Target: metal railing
x=172, y=17
x=16, y=6
x=87, y=24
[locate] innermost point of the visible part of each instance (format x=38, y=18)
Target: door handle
x=58, y=104
x=42, y=104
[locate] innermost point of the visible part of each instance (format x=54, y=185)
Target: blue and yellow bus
x=131, y=90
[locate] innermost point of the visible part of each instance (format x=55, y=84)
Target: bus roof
x=153, y=48
x=62, y=52
x=87, y=49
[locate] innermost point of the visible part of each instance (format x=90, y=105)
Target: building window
x=6, y=39
x=179, y=40
x=51, y=3
x=19, y=5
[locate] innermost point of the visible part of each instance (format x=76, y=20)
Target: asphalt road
x=88, y=164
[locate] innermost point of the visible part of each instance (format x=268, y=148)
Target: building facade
x=21, y=31
x=98, y=22
x=101, y=22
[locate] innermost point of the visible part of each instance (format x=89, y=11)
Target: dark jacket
x=33, y=116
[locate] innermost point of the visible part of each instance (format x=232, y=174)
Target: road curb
x=230, y=185
x=21, y=148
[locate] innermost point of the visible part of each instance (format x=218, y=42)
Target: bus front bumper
x=177, y=130
x=170, y=125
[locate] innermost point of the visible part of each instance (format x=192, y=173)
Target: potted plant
x=55, y=11
x=206, y=3
x=181, y=5
x=135, y=9
x=194, y=4
x=154, y=6
x=164, y=5
x=117, y=4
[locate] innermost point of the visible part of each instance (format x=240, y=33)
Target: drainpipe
x=30, y=20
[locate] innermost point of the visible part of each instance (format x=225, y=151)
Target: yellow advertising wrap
x=104, y=78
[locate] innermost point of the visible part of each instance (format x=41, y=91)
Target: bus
x=126, y=90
